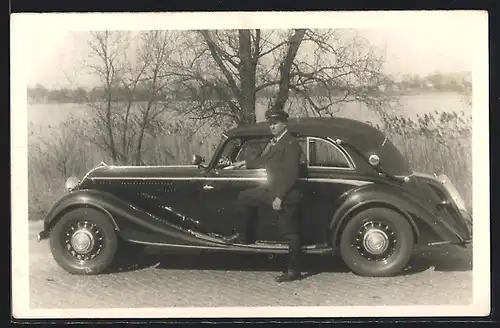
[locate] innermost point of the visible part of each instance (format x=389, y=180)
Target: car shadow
x=444, y=258
x=438, y=258
x=217, y=261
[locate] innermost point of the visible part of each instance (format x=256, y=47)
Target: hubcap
x=375, y=241
x=83, y=241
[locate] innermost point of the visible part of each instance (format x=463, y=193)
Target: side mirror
x=197, y=160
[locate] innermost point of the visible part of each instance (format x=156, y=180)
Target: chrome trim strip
x=424, y=175
x=385, y=140
x=308, y=155
x=181, y=178
x=101, y=165
x=229, y=246
x=151, y=166
x=332, y=168
x=325, y=180
x=344, y=181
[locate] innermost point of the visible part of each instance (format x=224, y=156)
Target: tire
x=384, y=223
x=100, y=253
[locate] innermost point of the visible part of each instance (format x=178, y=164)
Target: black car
x=361, y=199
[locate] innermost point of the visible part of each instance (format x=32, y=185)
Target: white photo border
x=23, y=24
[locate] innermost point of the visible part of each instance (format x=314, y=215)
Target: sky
x=55, y=58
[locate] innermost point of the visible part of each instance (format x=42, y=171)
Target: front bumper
x=43, y=235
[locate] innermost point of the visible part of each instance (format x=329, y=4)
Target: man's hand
x=277, y=204
x=239, y=164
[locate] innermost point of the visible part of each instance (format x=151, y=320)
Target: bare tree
x=225, y=77
x=107, y=47
x=157, y=47
x=121, y=123
x=223, y=73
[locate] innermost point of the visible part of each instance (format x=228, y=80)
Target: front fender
x=79, y=198
x=117, y=208
x=395, y=198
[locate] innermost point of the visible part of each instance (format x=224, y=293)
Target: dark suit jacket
x=282, y=165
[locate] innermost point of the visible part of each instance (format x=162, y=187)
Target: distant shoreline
x=413, y=93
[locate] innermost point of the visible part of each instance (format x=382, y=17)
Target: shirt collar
x=281, y=135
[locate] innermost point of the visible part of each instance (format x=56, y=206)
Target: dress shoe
x=288, y=276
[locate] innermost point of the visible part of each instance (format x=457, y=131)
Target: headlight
x=71, y=183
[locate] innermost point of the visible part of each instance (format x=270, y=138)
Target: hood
x=112, y=171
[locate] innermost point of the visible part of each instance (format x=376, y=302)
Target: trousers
x=288, y=221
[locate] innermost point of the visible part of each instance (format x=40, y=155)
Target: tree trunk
x=109, y=87
x=109, y=125
x=247, y=71
x=286, y=66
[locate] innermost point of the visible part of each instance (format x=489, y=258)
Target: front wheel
x=377, y=242
x=84, y=241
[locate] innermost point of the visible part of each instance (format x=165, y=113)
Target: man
x=281, y=159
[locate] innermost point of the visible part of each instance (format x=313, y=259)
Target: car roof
x=360, y=134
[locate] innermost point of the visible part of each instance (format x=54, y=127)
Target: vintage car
x=362, y=200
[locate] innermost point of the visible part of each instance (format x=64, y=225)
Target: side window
x=325, y=154
x=252, y=148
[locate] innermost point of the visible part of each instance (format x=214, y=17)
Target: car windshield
x=230, y=147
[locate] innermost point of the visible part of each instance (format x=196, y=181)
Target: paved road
x=443, y=277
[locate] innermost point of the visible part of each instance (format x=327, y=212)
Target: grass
x=437, y=143
x=433, y=143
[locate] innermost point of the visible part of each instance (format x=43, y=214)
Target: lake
x=453, y=158
x=50, y=115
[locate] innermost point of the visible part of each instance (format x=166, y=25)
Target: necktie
x=269, y=146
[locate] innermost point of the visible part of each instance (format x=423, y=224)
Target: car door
x=221, y=187
x=222, y=184
x=330, y=173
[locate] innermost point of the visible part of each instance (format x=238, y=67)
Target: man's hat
x=275, y=114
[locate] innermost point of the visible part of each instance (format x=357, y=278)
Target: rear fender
x=390, y=197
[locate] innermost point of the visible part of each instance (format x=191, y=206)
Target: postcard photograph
x=314, y=164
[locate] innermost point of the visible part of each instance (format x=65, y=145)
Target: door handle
x=208, y=187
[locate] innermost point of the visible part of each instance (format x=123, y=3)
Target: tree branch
x=216, y=56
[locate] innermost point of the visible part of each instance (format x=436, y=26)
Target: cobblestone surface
x=443, y=276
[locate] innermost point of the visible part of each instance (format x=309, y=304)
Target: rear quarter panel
x=406, y=199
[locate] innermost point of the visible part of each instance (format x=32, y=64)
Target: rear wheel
x=84, y=241
x=377, y=242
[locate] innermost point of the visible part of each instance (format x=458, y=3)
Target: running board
x=157, y=240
